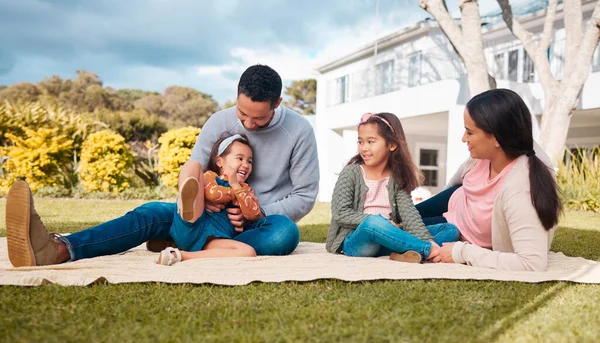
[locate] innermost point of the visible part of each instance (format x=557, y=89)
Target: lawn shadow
x=502, y=325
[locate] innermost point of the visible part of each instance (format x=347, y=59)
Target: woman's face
x=481, y=144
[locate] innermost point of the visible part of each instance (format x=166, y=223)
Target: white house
x=416, y=75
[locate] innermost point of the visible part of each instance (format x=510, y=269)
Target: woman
x=508, y=205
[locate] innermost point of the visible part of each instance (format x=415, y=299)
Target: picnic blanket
x=309, y=262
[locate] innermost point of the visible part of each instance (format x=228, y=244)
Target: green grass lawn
x=321, y=311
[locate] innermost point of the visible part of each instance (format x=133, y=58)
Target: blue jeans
x=377, y=236
x=271, y=235
x=431, y=210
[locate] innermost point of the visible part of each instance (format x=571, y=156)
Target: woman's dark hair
x=212, y=158
x=404, y=171
x=503, y=114
x=261, y=83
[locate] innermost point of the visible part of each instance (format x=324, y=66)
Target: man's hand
x=213, y=207
x=236, y=218
x=445, y=254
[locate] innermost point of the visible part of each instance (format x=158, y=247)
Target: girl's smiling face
x=372, y=147
x=239, y=159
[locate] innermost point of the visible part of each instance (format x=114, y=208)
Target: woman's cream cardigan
x=519, y=241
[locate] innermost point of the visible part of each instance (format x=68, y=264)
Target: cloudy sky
x=205, y=44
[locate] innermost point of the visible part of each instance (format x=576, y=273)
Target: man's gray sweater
x=285, y=168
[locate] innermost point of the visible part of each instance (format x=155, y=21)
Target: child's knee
x=247, y=251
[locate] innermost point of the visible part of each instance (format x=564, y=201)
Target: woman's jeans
x=377, y=236
x=431, y=210
x=271, y=235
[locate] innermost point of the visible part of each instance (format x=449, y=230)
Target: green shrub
x=14, y=118
x=176, y=149
x=42, y=158
x=105, y=163
x=579, y=180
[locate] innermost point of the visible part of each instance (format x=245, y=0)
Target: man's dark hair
x=261, y=83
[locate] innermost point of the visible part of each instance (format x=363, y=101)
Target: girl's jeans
x=377, y=236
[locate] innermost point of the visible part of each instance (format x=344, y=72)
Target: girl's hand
x=434, y=251
x=445, y=253
x=231, y=176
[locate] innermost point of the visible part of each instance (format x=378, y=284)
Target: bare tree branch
x=548, y=25
x=467, y=41
x=574, y=32
x=437, y=8
x=586, y=50
x=536, y=51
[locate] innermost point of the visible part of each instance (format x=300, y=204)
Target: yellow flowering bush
x=105, y=163
x=40, y=157
x=175, y=149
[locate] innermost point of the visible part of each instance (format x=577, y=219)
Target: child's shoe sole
x=187, y=197
x=408, y=257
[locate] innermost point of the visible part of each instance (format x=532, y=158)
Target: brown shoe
x=158, y=245
x=29, y=243
x=410, y=256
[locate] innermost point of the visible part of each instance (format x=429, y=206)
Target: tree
x=151, y=103
x=560, y=96
x=303, y=96
x=183, y=106
x=466, y=39
x=20, y=92
x=229, y=103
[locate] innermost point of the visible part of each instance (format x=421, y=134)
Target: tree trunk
x=555, y=127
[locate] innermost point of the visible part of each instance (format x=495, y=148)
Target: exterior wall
x=441, y=88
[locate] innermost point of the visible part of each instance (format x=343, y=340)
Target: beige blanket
x=309, y=262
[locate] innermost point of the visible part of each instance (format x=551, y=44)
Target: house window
x=499, y=66
x=384, y=77
x=414, y=70
x=513, y=65
x=341, y=90
x=528, y=70
x=596, y=60
x=429, y=165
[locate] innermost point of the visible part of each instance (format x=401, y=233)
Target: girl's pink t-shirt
x=470, y=206
x=377, y=200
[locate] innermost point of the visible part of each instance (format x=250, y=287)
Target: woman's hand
x=444, y=254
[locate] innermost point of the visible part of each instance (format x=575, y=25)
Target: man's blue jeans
x=271, y=235
x=377, y=236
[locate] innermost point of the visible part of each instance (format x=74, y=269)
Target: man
x=285, y=179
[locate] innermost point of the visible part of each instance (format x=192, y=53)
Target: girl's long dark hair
x=403, y=169
x=502, y=113
x=212, y=158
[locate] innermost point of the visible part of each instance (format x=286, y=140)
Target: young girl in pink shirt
x=372, y=211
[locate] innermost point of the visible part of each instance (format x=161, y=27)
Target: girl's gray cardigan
x=348, y=202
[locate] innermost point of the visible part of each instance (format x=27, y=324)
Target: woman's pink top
x=470, y=206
